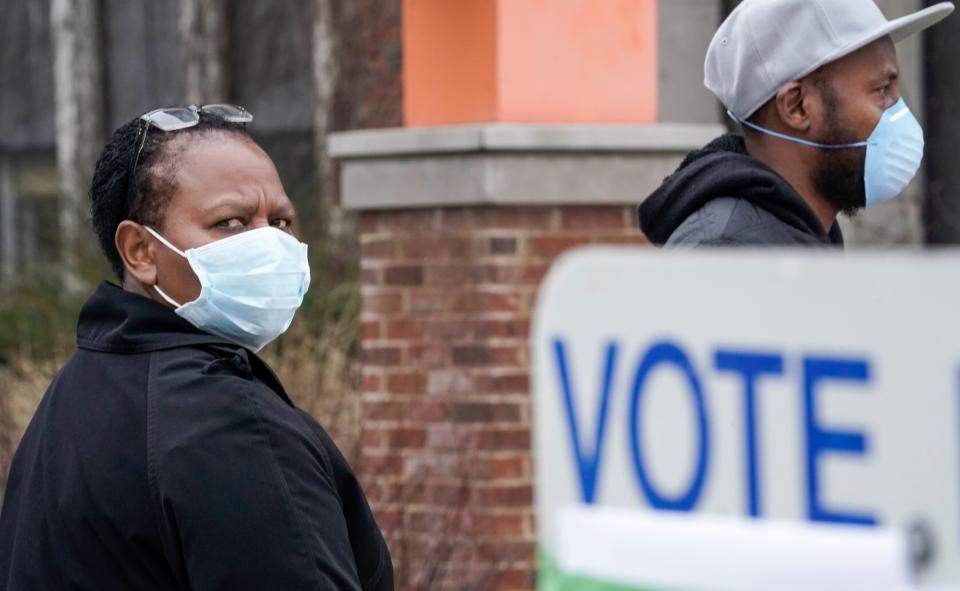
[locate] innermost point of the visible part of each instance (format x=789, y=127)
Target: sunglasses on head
x=177, y=118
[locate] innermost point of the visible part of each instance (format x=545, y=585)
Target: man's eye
x=231, y=224
x=282, y=224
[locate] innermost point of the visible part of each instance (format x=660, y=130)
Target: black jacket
x=720, y=196
x=163, y=457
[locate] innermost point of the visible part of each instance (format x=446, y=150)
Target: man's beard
x=839, y=174
x=839, y=177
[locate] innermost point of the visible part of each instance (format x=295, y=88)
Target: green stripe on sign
x=551, y=578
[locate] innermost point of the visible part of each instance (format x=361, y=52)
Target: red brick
x=383, y=303
x=369, y=222
x=514, y=439
x=408, y=221
x=437, y=247
x=504, y=495
x=470, y=412
x=593, y=218
x=473, y=302
x=505, y=356
x=516, y=274
x=507, y=412
x=515, y=578
x=514, y=328
x=371, y=277
x=407, y=382
x=515, y=217
x=437, y=464
x=405, y=329
x=510, y=384
x=388, y=519
x=448, y=495
x=501, y=302
x=459, y=218
x=472, y=355
x=370, y=330
x=406, y=276
x=454, y=274
x=371, y=437
x=503, y=246
x=426, y=410
x=553, y=246
x=378, y=249
x=381, y=356
x=371, y=383
x=632, y=239
x=429, y=301
x=423, y=356
x=380, y=492
x=382, y=410
x=381, y=464
x=446, y=329
x=450, y=381
x=506, y=551
x=431, y=521
x=406, y=437
x=446, y=437
x=510, y=524
x=512, y=467
x=445, y=274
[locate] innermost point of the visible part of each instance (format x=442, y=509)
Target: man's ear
x=137, y=249
x=792, y=106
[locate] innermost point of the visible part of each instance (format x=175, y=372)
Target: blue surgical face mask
x=251, y=285
x=894, y=151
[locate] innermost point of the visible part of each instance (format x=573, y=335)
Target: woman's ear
x=791, y=103
x=138, y=251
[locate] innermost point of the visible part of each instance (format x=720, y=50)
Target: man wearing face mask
x=166, y=455
x=815, y=87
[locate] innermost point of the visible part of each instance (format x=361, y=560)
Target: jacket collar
x=114, y=320
x=118, y=321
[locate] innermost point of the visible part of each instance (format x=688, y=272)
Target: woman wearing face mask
x=166, y=454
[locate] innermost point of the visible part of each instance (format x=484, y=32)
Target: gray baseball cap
x=764, y=44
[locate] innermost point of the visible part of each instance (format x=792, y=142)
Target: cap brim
x=911, y=24
x=898, y=29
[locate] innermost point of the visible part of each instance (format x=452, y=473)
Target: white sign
x=695, y=551
x=771, y=385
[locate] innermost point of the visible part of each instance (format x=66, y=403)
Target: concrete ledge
x=510, y=164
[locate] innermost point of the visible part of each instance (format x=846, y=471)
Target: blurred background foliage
x=71, y=71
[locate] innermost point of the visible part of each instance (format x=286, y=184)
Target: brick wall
x=447, y=304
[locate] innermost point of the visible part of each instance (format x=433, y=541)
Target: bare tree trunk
x=9, y=234
x=202, y=37
x=325, y=74
x=78, y=98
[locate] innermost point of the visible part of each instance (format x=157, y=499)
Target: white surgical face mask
x=251, y=285
x=894, y=151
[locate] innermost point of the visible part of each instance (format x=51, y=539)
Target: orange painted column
x=529, y=61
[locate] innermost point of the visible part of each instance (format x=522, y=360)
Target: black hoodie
x=720, y=195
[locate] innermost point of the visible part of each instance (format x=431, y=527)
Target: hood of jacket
x=723, y=169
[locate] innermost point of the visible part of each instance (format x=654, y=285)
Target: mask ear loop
x=166, y=243
x=784, y=136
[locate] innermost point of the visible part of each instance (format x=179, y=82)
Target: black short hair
x=115, y=197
